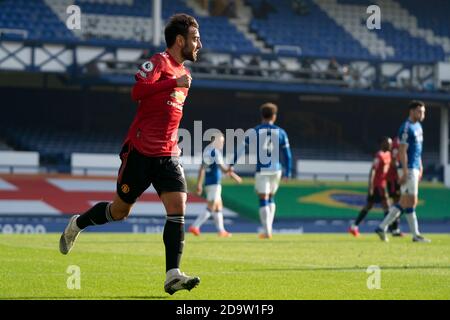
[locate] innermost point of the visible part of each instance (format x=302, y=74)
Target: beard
x=188, y=54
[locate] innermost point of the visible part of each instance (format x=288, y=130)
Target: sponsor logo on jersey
x=179, y=97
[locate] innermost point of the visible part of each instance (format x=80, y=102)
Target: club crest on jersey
x=147, y=66
x=125, y=188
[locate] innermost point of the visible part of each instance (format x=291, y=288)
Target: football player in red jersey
x=393, y=185
x=377, y=184
x=150, y=153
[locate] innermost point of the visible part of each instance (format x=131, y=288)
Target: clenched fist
x=184, y=81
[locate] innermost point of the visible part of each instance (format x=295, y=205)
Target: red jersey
x=392, y=174
x=381, y=166
x=154, y=131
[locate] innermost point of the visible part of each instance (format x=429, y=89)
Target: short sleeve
x=404, y=134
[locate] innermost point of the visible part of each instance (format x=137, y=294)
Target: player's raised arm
x=148, y=80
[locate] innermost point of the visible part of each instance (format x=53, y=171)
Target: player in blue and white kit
x=410, y=172
x=268, y=141
x=211, y=172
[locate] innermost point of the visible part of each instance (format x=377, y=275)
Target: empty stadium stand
x=112, y=22
x=338, y=28
x=302, y=44
x=62, y=143
x=330, y=28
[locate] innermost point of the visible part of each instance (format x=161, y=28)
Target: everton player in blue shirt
x=211, y=172
x=410, y=172
x=268, y=141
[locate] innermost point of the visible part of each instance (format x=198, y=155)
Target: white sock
x=201, y=219
x=218, y=220
x=394, y=213
x=272, y=207
x=173, y=272
x=264, y=214
x=413, y=224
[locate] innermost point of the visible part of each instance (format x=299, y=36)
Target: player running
x=394, y=187
x=377, y=184
x=410, y=172
x=211, y=172
x=150, y=151
x=269, y=141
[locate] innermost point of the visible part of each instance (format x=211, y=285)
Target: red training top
x=154, y=131
x=392, y=174
x=381, y=166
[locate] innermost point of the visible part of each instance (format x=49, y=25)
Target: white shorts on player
x=411, y=186
x=267, y=182
x=213, y=192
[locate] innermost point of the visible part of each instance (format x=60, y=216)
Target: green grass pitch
x=288, y=267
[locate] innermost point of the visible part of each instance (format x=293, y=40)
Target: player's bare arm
x=229, y=171
x=421, y=170
x=371, y=180
x=235, y=177
x=403, y=148
x=201, y=176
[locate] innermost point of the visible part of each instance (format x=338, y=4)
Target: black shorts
x=138, y=172
x=379, y=195
x=393, y=189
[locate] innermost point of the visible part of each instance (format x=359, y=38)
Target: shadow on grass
x=355, y=268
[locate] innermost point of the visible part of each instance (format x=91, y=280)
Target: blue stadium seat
x=45, y=25
x=315, y=33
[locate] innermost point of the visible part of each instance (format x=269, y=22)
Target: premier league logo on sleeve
x=147, y=66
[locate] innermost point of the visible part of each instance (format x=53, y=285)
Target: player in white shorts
x=270, y=141
x=211, y=172
x=410, y=173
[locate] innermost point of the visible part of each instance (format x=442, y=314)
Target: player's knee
x=177, y=207
x=408, y=201
x=120, y=213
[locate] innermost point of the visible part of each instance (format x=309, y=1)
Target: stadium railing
x=83, y=62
